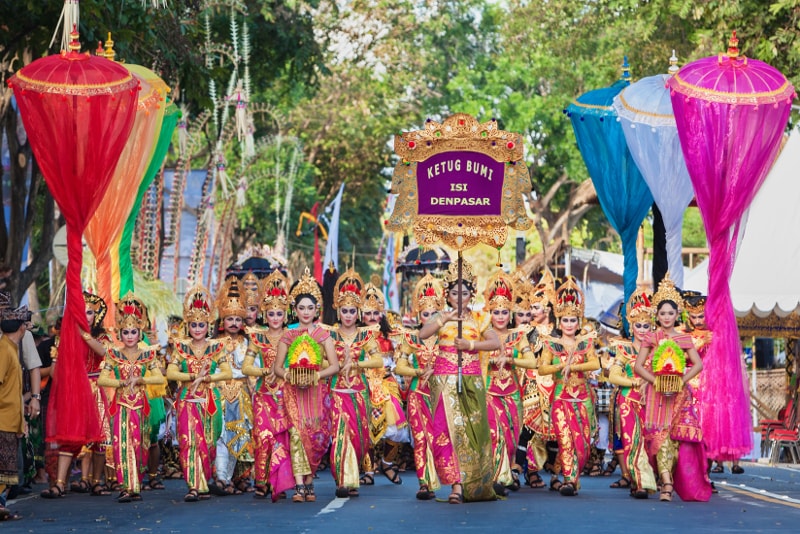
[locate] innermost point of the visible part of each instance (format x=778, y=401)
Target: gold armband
x=86, y=336
x=471, y=344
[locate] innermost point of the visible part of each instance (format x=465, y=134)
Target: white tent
x=766, y=275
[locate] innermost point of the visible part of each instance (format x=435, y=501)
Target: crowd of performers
x=488, y=400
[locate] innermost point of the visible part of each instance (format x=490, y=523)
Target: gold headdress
x=428, y=293
x=523, y=290
x=667, y=291
x=98, y=305
x=450, y=277
x=275, y=296
x=229, y=301
x=694, y=301
x=544, y=291
x=198, y=305
x=252, y=289
x=640, y=307
x=373, y=299
x=131, y=313
x=569, y=299
x=499, y=292
x=307, y=285
x=348, y=290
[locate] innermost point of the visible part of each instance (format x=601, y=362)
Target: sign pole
x=460, y=307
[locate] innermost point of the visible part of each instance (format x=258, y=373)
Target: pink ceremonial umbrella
x=731, y=112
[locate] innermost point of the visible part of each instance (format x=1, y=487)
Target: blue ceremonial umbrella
x=645, y=112
x=623, y=193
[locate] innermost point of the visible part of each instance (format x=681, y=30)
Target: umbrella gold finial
x=673, y=63
x=626, y=69
x=110, y=53
x=74, y=43
x=733, y=46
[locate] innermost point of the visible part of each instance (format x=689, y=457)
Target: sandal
x=81, y=486
x=100, y=490
x=367, y=479
x=622, y=483
x=299, y=493
x=155, y=483
x=666, y=495
x=244, y=486
x=718, y=469
x=115, y=486
x=342, y=492
x=596, y=470
x=395, y=473
x=499, y=489
x=204, y=496
x=640, y=494
x=555, y=484
x=220, y=489
x=191, y=496
x=515, y=485
x=549, y=468
x=533, y=480
x=611, y=467
x=424, y=493
x=352, y=492
x=125, y=496
x=737, y=469
x=230, y=489
x=456, y=497
x=53, y=492
x=568, y=489
x=8, y=515
x=260, y=492
x=310, y=495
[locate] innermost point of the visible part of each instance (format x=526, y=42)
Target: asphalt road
x=763, y=499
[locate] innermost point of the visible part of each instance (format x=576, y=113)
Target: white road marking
x=332, y=506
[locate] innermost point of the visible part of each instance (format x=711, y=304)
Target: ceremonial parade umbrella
x=623, y=193
x=105, y=227
x=78, y=111
x=645, y=113
x=170, y=121
x=459, y=183
x=731, y=113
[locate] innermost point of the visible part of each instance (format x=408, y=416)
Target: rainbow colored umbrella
x=731, y=113
x=622, y=191
x=645, y=113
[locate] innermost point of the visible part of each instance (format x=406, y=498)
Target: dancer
x=672, y=429
x=197, y=364
x=570, y=357
x=416, y=363
x=461, y=440
x=537, y=441
x=273, y=464
x=502, y=384
x=235, y=446
x=128, y=369
x=355, y=349
x=302, y=354
x=627, y=410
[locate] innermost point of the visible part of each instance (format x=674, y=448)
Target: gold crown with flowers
x=694, y=301
x=373, y=298
x=275, y=295
x=569, y=299
x=131, y=313
x=348, y=290
x=667, y=292
x=428, y=293
x=96, y=303
x=523, y=290
x=252, y=289
x=198, y=306
x=450, y=277
x=229, y=300
x=307, y=285
x=499, y=292
x=640, y=307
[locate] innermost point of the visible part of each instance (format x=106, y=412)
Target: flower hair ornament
x=428, y=294
x=569, y=299
x=667, y=292
x=99, y=306
x=198, y=305
x=640, y=307
x=275, y=294
x=229, y=301
x=499, y=292
x=348, y=290
x=307, y=285
x=131, y=313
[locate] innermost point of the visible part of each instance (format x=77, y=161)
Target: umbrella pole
x=460, y=323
